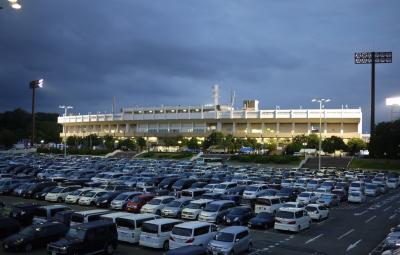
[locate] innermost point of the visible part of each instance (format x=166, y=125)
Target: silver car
x=120, y=202
x=231, y=240
x=174, y=208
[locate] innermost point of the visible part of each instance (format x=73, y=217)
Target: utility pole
x=321, y=102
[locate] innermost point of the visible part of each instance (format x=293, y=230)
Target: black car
x=23, y=213
x=35, y=188
x=35, y=236
x=105, y=200
x=89, y=238
x=262, y=220
x=63, y=217
x=8, y=226
x=167, y=182
x=287, y=194
x=238, y=216
x=182, y=184
x=42, y=194
x=235, y=198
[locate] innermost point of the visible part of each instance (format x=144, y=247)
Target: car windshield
x=121, y=197
x=41, y=213
x=311, y=208
x=194, y=206
x=76, y=193
x=224, y=237
x=150, y=228
x=263, y=201
x=78, y=218
x=136, y=200
x=90, y=194
x=237, y=211
x=355, y=194
x=56, y=190
x=326, y=196
x=75, y=233
x=289, y=205
x=174, y=204
x=285, y=215
x=304, y=194
x=313, y=182
x=125, y=223
x=371, y=186
x=182, y=231
x=211, y=208
x=221, y=186
x=263, y=215
x=251, y=188
x=154, y=202
x=355, y=184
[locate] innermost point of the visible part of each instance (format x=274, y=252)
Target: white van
x=224, y=187
x=192, y=233
x=253, y=191
x=112, y=216
x=193, y=210
x=129, y=227
x=270, y=204
x=357, y=186
x=155, y=233
x=292, y=219
x=46, y=213
x=86, y=216
x=193, y=193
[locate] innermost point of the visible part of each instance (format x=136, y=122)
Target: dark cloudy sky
x=154, y=52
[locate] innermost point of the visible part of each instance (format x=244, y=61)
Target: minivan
x=270, y=204
x=231, y=240
x=193, y=209
x=86, y=216
x=46, y=213
x=215, y=211
x=193, y=193
x=292, y=219
x=192, y=233
x=224, y=187
x=129, y=227
x=155, y=233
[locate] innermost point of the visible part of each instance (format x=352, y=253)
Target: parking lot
x=350, y=229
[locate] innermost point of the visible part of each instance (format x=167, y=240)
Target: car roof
x=53, y=206
x=201, y=201
x=233, y=229
x=163, y=221
x=290, y=209
x=131, y=216
x=221, y=202
x=90, y=212
x=96, y=223
x=114, y=215
x=193, y=224
x=269, y=197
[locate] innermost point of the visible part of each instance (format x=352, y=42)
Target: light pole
x=65, y=107
x=34, y=85
x=321, y=102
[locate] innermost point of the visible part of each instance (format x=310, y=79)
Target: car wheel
x=231, y=253
x=28, y=247
x=166, y=246
x=92, y=204
x=109, y=249
x=158, y=212
x=59, y=199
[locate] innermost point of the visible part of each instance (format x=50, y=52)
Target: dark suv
x=88, y=238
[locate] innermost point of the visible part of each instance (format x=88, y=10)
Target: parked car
x=47, y=212
x=122, y=199
x=392, y=183
x=193, y=209
x=307, y=197
x=174, y=208
x=85, y=239
x=136, y=204
x=231, y=240
x=317, y=211
x=86, y=216
x=156, y=233
x=24, y=213
x=73, y=197
x=63, y=217
x=42, y=194
x=341, y=193
x=356, y=197
x=372, y=189
x=90, y=197
x=35, y=236
x=58, y=194
x=215, y=211
x=254, y=190
x=37, y=187
x=129, y=227
x=263, y=220
x=104, y=200
x=238, y=216
x=269, y=204
x=156, y=204
x=292, y=219
x=8, y=226
x=328, y=199
x=225, y=187
x=192, y=233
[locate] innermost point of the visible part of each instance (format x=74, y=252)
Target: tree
x=108, y=142
x=385, y=141
x=215, y=138
x=7, y=138
x=354, y=145
x=128, y=144
x=312, y=141
x=72, y=141
x=193, y=144
x=333, y=144
x=272, y=146
x=141, y=142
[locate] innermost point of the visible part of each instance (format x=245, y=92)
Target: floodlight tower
x=35, y=84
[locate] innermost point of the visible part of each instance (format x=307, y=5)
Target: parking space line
x=373, y=217
x=314, y=238
x=387, y=208
x=392, y=216
x=361, y=213
x=345, y=234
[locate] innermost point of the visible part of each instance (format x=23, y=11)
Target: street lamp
x=321, y=102
x=65, y=107
x=34, y=85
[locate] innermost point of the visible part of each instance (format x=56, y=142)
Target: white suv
x=292, y=219
x=193, y=210
x=156, y=204
x=192, y=233
x=253, y=191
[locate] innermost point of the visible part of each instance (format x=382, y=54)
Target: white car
x=192, y=233
x=72, y=198
x=356, y=197
x=224, y=187
x=129, y=227
x=90, y=197
x=307, y=197
x=270, y=204
x=156, y=204
x=292, y=219
x=293, y=205
x=253, y=191
x=58, y=194
x=155, y=233
x=193, y=210
x=357, y=186
x=317, y=211
x=392, y=183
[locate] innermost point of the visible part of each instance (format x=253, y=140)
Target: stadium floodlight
x=373, y=58
x=34, y=85
x=16, y=6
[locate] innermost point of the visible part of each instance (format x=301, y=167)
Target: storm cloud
x=171, y=52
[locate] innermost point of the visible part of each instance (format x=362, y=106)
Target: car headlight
x=23, y=212
x=236, y=219
x=18, y=241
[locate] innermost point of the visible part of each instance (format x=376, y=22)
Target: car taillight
x=190, y=240
x=291, y=222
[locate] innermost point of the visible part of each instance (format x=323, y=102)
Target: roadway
x=350, y=229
